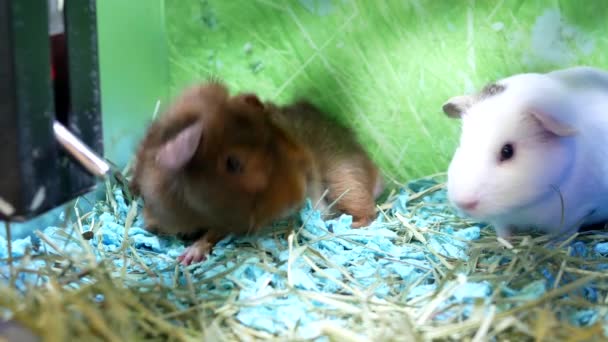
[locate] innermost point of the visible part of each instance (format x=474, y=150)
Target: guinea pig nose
x=467, y=204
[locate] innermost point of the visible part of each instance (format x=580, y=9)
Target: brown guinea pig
x=231, y=164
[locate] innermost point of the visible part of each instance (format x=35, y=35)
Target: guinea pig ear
x=175, y=153
x=552, y=124
x=252, y=100
x=457, y=105
x=289, y=145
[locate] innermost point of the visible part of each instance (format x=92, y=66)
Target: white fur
x=521, y=193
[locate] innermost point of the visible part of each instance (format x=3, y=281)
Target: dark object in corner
x=48, y=72
x=13, y=331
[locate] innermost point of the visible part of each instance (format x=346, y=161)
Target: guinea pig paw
x=361, y=222
x=195, y=253
x=504, y=232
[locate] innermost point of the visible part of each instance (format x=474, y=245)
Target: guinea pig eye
x=507, y=152
x=233, y=165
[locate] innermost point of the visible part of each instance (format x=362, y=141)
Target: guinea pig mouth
x=471, y=213
x=474, y=205
x=485, y=213
x=473, y=210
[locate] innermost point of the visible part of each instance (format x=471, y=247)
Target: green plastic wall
x=385, y=66
x=134, y=67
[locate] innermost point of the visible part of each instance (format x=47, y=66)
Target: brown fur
x=457, y=105
x=286, y=153
x=341, y=163
x=490, y=90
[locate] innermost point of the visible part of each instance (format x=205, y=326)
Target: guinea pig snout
x=466, y=203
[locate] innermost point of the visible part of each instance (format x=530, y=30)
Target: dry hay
x=451, y=286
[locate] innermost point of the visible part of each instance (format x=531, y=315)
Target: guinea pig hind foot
x=362, y=210
x=200, y=249
x=354, y=196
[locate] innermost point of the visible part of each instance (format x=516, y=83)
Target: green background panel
x=134, y=70
x=384, y=66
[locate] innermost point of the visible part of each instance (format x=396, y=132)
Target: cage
x=77, y=263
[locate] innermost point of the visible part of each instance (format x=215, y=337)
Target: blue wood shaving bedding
x=278, y=283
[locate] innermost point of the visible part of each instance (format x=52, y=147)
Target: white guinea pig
x=533, y=152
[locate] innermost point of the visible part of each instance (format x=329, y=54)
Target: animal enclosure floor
x=419, y=272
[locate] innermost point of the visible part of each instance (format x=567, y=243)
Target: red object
x=59, y=76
